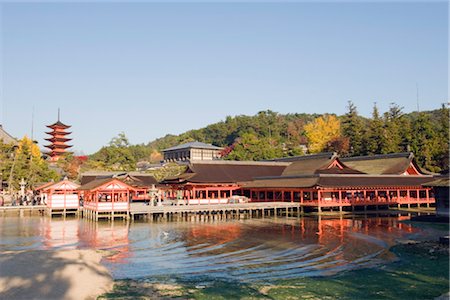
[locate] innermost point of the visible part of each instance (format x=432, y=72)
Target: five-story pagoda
x=58, y=139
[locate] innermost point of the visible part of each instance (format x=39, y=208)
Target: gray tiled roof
x=195, y=144
x=6, y=137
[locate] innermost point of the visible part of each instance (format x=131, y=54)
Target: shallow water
x=248, y=251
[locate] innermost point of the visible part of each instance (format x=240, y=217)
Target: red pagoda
x=58, y=139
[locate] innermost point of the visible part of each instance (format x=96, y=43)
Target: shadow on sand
x=61, y=274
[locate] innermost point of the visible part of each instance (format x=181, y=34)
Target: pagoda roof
x=59, y=124
x=57, y=152
x=60, y=132
x=58, y=139
x=57, y=146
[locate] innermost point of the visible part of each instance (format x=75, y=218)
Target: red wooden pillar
x=418, y=195
x=292, y=196
x=301, y=196
x=427, y=195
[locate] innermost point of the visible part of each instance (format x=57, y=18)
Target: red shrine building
x=58, y=140
x=318, y=181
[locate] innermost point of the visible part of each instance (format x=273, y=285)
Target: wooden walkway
x=23, y=210
x=137, y=209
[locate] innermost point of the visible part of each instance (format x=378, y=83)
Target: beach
x=53, y=274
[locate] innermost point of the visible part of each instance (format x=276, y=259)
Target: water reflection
x=248, y=250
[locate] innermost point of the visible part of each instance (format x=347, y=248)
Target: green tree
x=352, y=128
x=423, y=142
x=392, y=137
x=374, y=136
x=442, y=136
x=115, y=157
x=250, y=147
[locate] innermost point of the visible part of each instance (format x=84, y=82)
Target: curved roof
x=317, y=164
x=196, y=144
x=58, y=124
x=394, y=164
x=136, y=179
x=226, y=171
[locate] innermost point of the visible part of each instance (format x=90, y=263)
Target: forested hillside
x=269, y=135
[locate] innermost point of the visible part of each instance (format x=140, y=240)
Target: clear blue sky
x=149, y=69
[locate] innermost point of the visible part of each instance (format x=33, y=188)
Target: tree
x=120, y=141
x=321, y=131
x=392, y=137
x=442, y=145
x=352, y=128
x=27, y=163
x=374, y=136
x=423, y=143
x=116, y=157
x=250, y=147
x=71, y=165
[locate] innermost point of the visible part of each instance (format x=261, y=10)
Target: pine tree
x=392, y=134
x=442, y=153
x=423, y=142
x=352, y=128
x=373, y=139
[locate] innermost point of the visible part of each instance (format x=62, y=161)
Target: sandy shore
x=53, y=274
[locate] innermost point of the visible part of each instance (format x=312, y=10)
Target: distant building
x=192, y=151
x=6, y=138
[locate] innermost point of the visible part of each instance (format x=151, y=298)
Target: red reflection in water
x=214, y=234
x=110, y=236
x=79, y=234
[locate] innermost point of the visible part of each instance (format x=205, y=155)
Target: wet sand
x=53, y=274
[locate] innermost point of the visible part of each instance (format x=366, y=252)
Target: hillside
x=269, y=135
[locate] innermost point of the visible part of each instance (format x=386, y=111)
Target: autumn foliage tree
x=25, y=161
x=321, y=131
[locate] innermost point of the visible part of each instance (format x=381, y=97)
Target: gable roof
x=132, y=178
x=317, y=164
x=229, y=172
x=61, y=185
x=6, y=137
x=101, y=183
x=394, y=164
x=43, y=186
x=196, y=144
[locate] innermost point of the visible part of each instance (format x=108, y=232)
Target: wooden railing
x=359, y=201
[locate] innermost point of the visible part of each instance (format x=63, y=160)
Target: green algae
x=421, y=272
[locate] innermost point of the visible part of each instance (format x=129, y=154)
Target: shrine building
x=192, y=151
x=319, y=181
